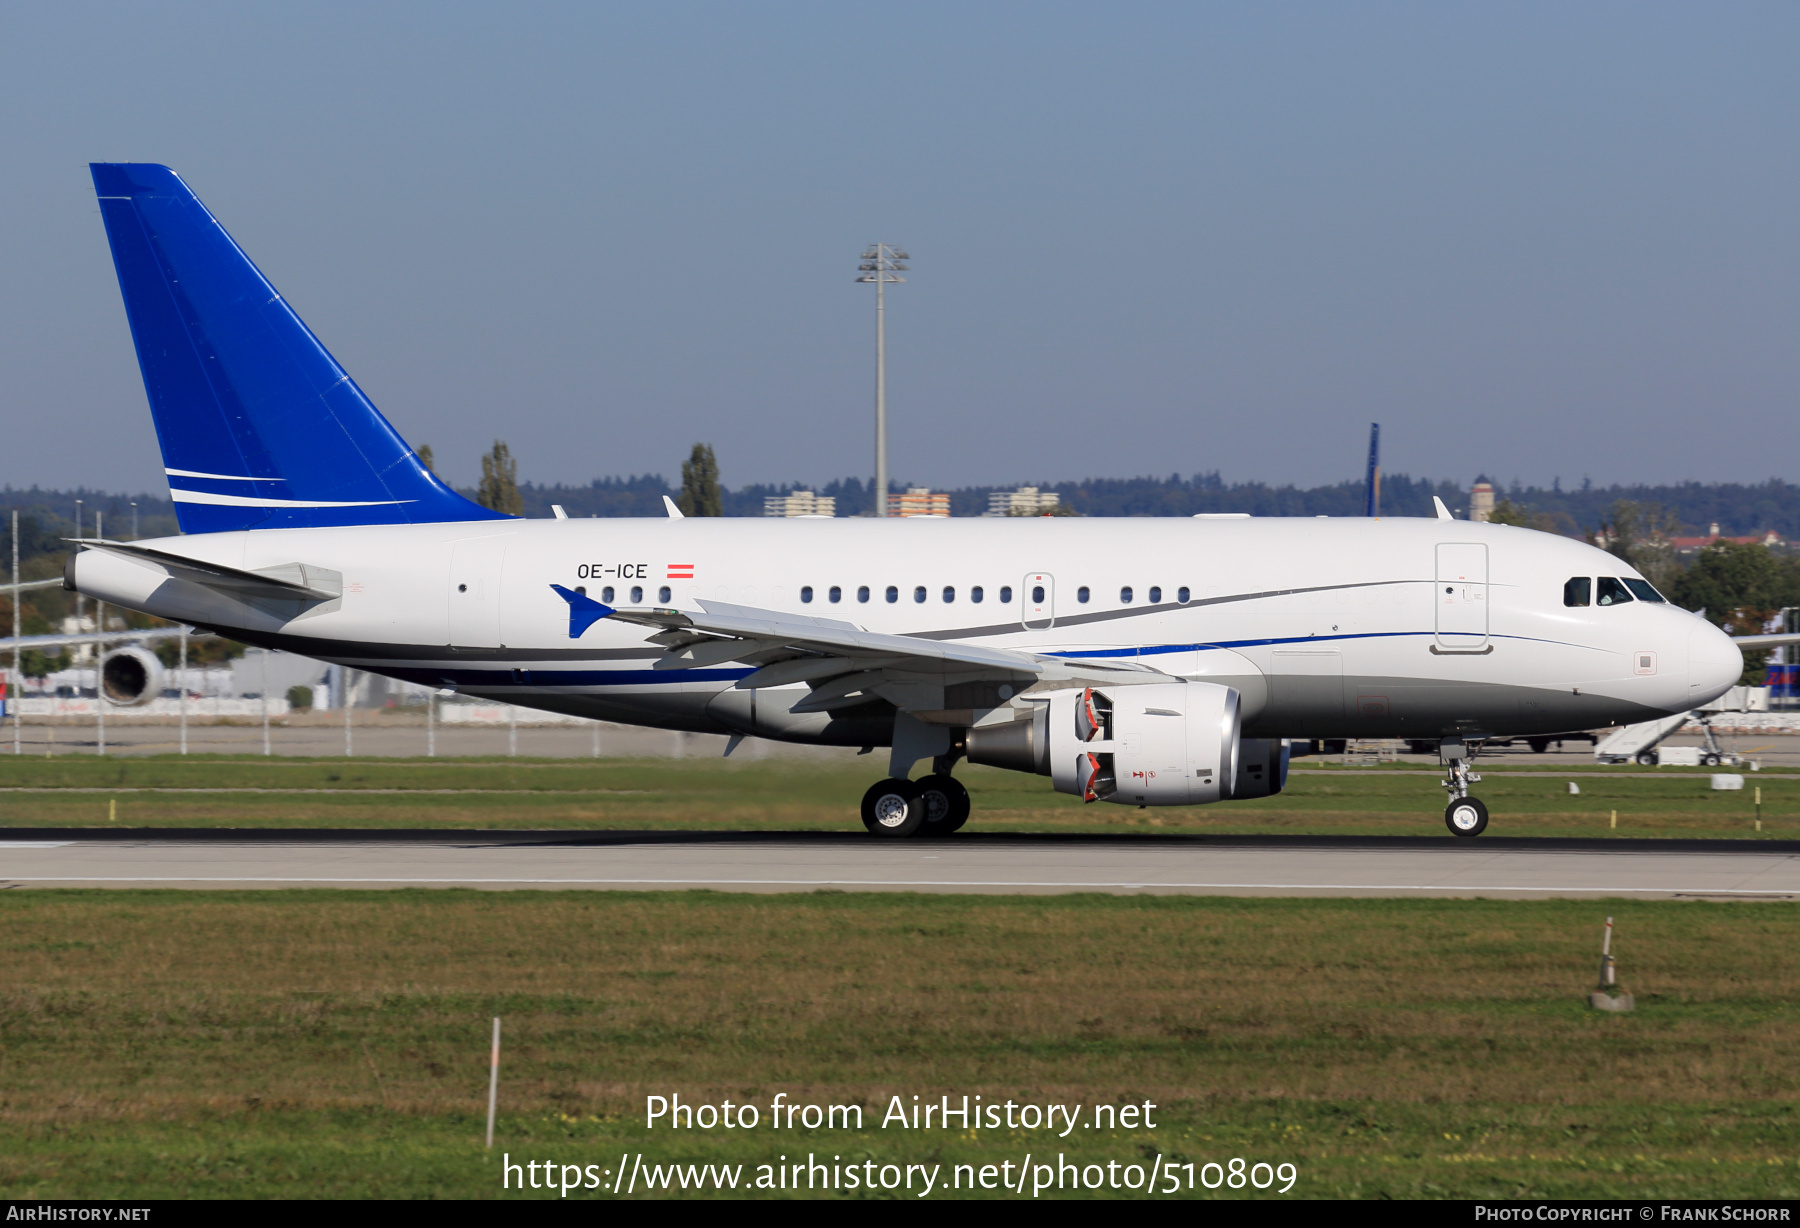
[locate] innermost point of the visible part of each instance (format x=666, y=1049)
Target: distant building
x=1481, y=499
x=80, y=654
x=919, y=501
x=1025, y=501
x=1687, y=545
x=800, y=503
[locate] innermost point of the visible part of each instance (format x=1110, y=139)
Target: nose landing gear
x=1465, y=815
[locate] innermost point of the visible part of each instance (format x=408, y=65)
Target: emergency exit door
x=1461, y=597
x=1037, y=601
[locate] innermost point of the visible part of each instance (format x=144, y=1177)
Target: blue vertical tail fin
x=260, y=427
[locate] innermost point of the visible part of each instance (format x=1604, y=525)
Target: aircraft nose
x=1714, y=663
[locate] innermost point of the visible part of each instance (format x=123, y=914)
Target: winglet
x=674, y=512
x=1443, y=512
x=584, y=611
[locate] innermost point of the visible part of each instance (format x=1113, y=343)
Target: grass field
x=797, y=795
x=330, y=1043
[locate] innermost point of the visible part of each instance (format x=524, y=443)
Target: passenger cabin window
x=949, y=594
x=662, y=594
x=1642, y=591
x=893, y=594
x=1037, y=595
x=637, y=595
x=976, y=594
x=836, y=594
x=606, y=594
x=806, y=594
x=919, y=594
x=1611, y=592
x=1125, y=595
x=1155, y=595
x=1577, y=591
x=862, y=594
x=1081, y=594
x=1181, y=595
x=1006, y=594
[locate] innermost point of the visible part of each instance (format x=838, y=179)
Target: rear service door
x=475, y=591
x=1461, y=597
x=1037, y=601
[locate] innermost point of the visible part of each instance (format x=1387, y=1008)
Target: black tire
x=1538, y=745
x=1646, y=758
x=946, y=804
x=1711, y=760
x=893, y=809
x=1466, y=816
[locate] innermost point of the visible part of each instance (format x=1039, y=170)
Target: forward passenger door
x=1461, y=597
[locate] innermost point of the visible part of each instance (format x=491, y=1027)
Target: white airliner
x=1138, y=662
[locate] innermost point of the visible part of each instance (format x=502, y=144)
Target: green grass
x=179, y=1044
x=796, y=795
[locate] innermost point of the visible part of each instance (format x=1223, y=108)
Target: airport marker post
x=18, y=678
x=100, y=658
x=184, y=689
x=493, y=1082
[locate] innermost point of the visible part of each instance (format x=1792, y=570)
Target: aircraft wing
x=1754, y=642
x=7, y=643
x=843, y=664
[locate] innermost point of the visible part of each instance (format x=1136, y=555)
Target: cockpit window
x=1612, y=592
x=1577, y=591
x=1642, y=591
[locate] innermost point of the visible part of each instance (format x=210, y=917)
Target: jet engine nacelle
x=1157, y=744
x=130, y=676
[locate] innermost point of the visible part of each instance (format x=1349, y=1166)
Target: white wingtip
x=1443, y=512
x=674, y=512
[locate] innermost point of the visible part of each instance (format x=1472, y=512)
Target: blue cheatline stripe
x=1156, y=649
x=463, y=676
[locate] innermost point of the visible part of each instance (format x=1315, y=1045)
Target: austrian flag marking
x=680, y=571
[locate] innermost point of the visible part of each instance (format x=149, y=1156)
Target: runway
x=995, y=864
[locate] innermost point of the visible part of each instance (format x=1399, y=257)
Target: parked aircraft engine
x=1157, y=744
x=131, y=676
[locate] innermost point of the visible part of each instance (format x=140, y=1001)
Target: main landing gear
x=1465, y=815
x=933, y=806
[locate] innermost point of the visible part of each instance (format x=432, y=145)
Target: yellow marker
x=112, y=811
x=1615, y=818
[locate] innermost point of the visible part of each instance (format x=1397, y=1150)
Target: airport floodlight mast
x=881, y=264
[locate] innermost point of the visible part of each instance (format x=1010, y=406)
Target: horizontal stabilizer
x=287, y=582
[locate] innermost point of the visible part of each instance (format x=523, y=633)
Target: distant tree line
x=1686, y=508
